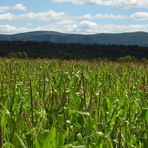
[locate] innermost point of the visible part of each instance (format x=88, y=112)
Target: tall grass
x=65, y=104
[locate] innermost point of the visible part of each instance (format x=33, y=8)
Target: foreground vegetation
x=65, y=104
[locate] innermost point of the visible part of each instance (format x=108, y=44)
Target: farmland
x=73, y=104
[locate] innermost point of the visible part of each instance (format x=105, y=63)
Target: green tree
x=128, y=58
x=11, y=55
x=24, y=55
x=19, y=55
x=121, y=59
x=134, y=59
x=144, y=60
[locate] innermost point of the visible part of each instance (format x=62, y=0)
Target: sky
x=73, y=16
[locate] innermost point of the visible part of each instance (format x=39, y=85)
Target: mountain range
x=134, y=38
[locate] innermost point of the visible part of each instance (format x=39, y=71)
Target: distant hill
x=135, y=38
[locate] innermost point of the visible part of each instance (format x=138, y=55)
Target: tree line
x=33, y=49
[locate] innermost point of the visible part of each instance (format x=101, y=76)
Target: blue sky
x=73, y=16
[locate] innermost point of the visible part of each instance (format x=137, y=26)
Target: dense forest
x=33, y=49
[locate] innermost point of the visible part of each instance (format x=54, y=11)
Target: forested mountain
x=135, y=38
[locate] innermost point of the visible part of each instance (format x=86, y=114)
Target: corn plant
x=64, y=104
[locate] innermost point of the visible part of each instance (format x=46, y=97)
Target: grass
x=73, y=104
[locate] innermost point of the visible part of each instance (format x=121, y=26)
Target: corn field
x=73, y=104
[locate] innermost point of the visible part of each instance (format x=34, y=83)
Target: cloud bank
x=70, y=26
x=126, y=4
x=52, y=16
x=41, y=16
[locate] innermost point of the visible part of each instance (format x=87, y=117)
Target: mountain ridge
x=129, y=38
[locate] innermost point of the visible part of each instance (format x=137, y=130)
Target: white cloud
x=41, y=16
x=19, y=7
x=70, y=26
x=8, y=29
x=16, y=7
x=67, y=25
x=127, y=4
x=84, y=25
x=44, y=16
x=4, y=9
x=6, y=17
x=81, y=2
x=103, y=16
x=139, y=16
